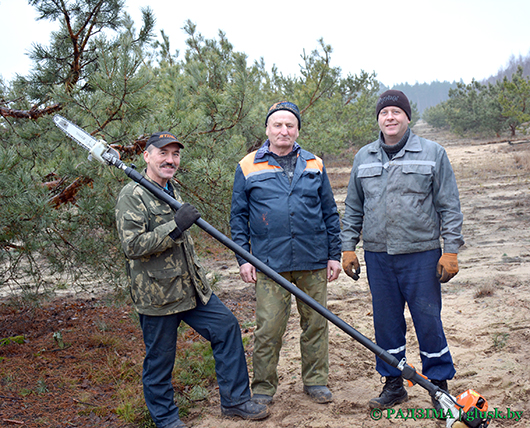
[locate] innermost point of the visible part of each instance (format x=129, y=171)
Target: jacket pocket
x=165, y=286
x=260, y=187
x=370, y=176
x=315, y=247
x=416, y=179
x=311, y=182
x=160, y=214
x=260, y=244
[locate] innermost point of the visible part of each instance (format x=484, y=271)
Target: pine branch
x=33, y=113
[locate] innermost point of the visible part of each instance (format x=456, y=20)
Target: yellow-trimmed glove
x=447, y=267
x=350, y=262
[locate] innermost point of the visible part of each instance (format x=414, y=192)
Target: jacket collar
x=265, y=149
x=413, y=144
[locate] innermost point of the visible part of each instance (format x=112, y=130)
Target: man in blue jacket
x=403, y=197
x=283, y=210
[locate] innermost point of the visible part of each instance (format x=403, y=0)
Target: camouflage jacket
x=164, y=274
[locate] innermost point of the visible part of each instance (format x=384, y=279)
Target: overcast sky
x=402, y=41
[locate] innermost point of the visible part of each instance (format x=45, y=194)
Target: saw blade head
x=80, y=136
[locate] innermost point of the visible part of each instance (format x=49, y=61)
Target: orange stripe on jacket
x=250, y=168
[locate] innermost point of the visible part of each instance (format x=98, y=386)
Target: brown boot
x=393, y=393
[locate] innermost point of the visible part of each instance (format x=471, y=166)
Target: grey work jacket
x=405, y=204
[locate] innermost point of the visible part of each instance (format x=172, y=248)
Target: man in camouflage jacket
x=168, y=286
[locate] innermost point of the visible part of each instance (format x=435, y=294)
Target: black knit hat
x=161, y=139
x=393, y=98
x=285, y=105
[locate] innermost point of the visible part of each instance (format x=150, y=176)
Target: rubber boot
x=319, y=393
x=393, y=393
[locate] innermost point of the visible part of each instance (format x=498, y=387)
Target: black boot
x=393, y=393
x=247, y=410
x=442, y=384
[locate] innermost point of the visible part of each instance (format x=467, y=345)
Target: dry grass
x=339, y=168
x=95, y=379
x=522, y=160
x=485, y=291
x=339, y=180
x=343, y=161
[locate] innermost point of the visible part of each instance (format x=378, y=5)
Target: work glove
x=447, y=267
x=185, y=216
x=350, y=262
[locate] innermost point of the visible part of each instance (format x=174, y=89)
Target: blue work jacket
x=289, y=226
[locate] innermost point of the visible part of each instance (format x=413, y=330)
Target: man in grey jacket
x=168, y=286
x=403, y=197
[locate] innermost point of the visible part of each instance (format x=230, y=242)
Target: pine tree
x=56, y=206
x=121, y=85
x=514, y=99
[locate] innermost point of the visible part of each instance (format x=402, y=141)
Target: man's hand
x=447, y=267
x=333, y=270
x=349, y=263
x=185, y=216
x=248, y=273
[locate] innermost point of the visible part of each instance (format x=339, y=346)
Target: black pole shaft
x=408, y=371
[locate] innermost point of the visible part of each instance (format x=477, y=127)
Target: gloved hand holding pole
x=185, y=216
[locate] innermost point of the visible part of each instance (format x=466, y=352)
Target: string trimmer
x=468, y=409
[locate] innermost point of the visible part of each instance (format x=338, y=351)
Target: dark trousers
x=214, y=322
x=409, y=278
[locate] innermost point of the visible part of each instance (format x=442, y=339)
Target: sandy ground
x=486, y=311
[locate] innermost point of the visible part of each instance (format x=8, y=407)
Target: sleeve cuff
x=175, y=234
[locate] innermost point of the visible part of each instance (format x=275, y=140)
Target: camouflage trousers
x=273, y=307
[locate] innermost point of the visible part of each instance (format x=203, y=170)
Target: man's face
x=393, y=123
x=282, y=131
x=162, y=164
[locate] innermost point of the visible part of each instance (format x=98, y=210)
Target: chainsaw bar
x=98, y=149
x=79, y=135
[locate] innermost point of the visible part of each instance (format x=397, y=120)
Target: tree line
x=425, y=95
x=513, y=63
x=485, y=108
x=121, y=83
x=493, y=106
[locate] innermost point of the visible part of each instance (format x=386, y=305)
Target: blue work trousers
x=409, y=278
x=214, y=322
